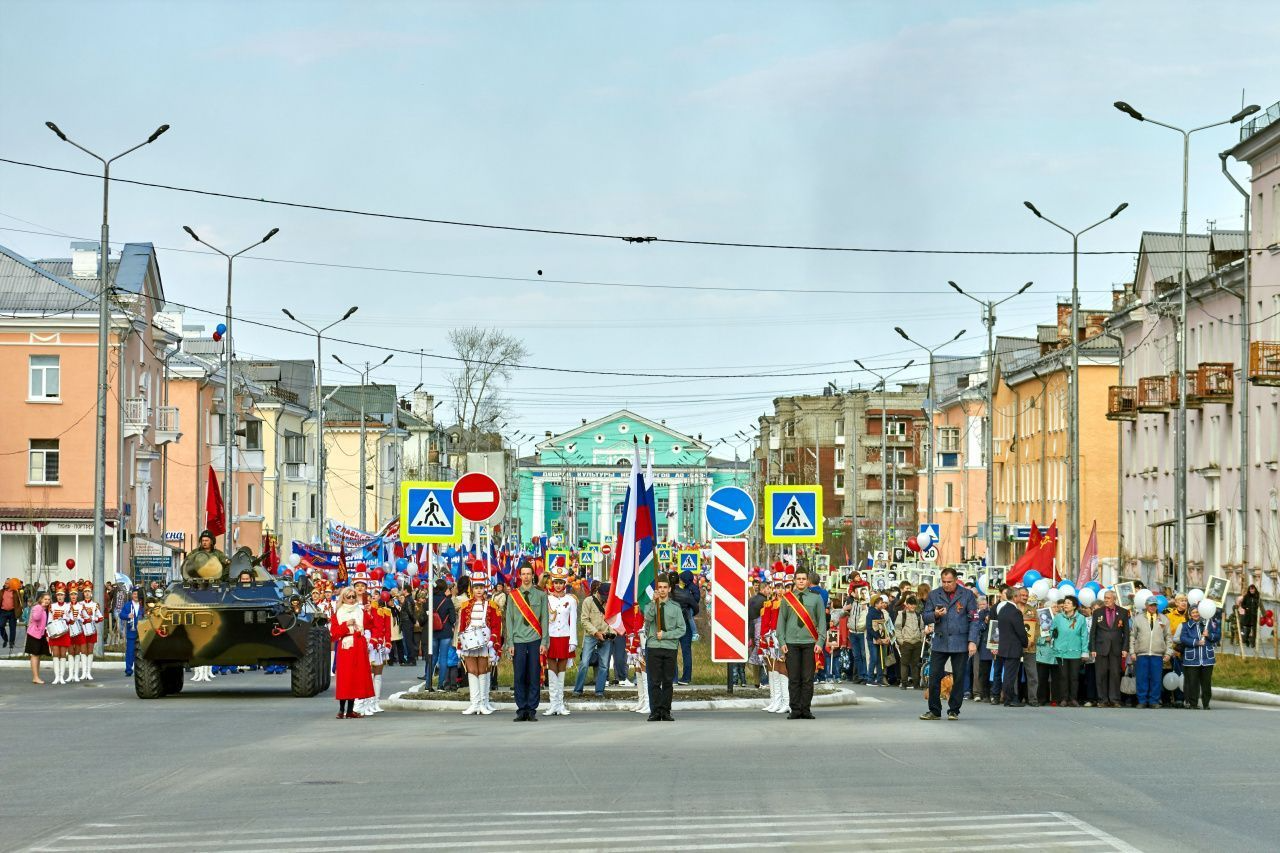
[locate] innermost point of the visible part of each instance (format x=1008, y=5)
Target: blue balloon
x=1095, y=586
x=1162, y=603
x=1031, y=577
x=402, y=565
x=388, y=581
x=1063, y=583
x=222, y=328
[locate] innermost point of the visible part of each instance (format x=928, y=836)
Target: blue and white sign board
x=428, y=513
x=935, y=529
x=691, y=561
x=793, y=514
x=730, y=511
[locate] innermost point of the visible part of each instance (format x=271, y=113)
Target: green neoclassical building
x=574, y=482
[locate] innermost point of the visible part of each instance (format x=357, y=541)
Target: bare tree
x=489, y=357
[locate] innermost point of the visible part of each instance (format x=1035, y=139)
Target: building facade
x=961, y=470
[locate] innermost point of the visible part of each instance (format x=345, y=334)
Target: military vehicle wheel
x=171, y=678
x=323, y=668
x=306, y=675
x=148, y=682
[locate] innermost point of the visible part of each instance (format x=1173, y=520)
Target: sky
x=872, y=125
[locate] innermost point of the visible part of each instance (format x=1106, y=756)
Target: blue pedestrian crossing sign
x=793, y=514
x=691, y=561
x=664, y=554
x=730, y=511
x=935, y=529
x=428, y=514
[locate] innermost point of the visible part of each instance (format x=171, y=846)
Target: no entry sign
x=476, y=497
x=729, y=634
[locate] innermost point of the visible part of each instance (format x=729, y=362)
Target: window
x=951, y=490
x=295, y=449
x=617, y=508
x=839, y=426
x=839, y=457
x=215, y=427
x=896, y=427
x=663, y=504
x=293, y=505
x=687, y=505
x=789, y=429
x=838, y=482
x=788, y=457
x=898, y=456
x=948, y=460
x=584, y=504
x=584, y=530
x=312, y=513
x=949, y=439
x=252, y=435
x=251, y=499
x=557, y=504
x=42, y=461
x=44, y=378
x=1275, y=214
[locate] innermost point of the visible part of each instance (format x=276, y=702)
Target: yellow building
x=1031, y=405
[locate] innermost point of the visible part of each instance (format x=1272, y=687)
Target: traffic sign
x=606, y=549
x=664, y=551
x=429, y=514
x=935, y=529
x=730, y=511
x=557, y=558
x=729, y=629
x=691, y=561
x=476, y=496
x=930, y=556
x=793, y=514
x=590, y=555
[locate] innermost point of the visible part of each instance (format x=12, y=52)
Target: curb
x=25, y=663
x=1245, y=697
x=824, y=700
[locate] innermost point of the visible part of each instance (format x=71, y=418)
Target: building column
x=539, y=506
x=673, y=505
x=606, y=511
x=702, y=513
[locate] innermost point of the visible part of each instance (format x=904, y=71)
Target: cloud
x=306, y=47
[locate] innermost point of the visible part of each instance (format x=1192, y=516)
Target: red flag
x=215, y=513
x=1028, y=559
x=1089, y=561
x=1046, y=551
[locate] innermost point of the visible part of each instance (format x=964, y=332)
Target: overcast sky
x=879, y=125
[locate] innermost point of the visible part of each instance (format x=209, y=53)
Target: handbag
x=56, y=628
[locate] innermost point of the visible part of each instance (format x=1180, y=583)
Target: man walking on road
x=664, y=625
x=1013, y=644
x=952, y=610
x=802, y=625
x=525, y=631
x=1108, y=646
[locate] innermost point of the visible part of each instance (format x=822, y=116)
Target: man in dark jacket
x=1108, y=645
x=686, y=595
x=1013, y=642
x=952, y=610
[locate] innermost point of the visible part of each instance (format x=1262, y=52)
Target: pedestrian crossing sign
x=664, y=553
x=428, y=513
x=691, y=561
x=793, y=514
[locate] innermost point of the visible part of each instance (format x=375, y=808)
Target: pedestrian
x=687, y=594
x=90, y=616
x=910, y=630
x=1177, y=615
x=597, y=640
x=1149, y=642
x=877, y=640
x=353, y=680
x=1198, y=638
x=1087, y=689
x=754, y=605
x=37, y=644
x=664, y=626
x=562, y=622
x=986, y=669
x=1046, y=664
x=952, y=610
x=1071, y=645
x=1247, y=610
x=442, y=617
x=132, y=611
x=770, y=649
x=857, y=621
x=1030, y=658
x=11, y=605
x=802, y=630
x=479, y=638
x=524, y=634
x=633, y=626
x=1108, y=648
x=58, y=633
x=1012, y=645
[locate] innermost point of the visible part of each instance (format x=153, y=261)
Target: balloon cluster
x=922, y=541
x=220, y=331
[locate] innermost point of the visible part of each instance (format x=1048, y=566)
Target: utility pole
x=1242, y=388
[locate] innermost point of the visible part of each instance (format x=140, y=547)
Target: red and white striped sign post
x=729, y=628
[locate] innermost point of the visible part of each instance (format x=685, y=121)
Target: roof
x=379, y=401
x=1047, y=334
x=296, y=378
x=25, y=286
x=128, y=271
x=1163, y=253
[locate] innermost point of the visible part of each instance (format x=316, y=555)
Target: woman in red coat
x=354, y=680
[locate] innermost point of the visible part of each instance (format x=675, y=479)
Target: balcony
x=1264, y=363
x=298, y=470
x=168, y=425
x=1154, y=394
x=1215, y=382
x=135, y=417
x=1193, y=402
x=890, y=440
x=877, y=495
x=876, y=468
x=1122, y=403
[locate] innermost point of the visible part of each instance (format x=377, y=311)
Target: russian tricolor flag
x=631, y=580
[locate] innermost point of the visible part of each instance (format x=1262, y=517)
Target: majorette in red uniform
x=633, y=624
x=90, y=619
x=478, y=640
x=353, y=679
x=779, y=701
x=377, y=624
x=60, y=644
x=562, y=631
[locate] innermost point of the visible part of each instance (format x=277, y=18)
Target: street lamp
x=989, y=319
x=1180, y=462
x=884, y=448
x=100, y=430
x=320, y=416
x=228, y=491
x=364, y=377
x=932, y=404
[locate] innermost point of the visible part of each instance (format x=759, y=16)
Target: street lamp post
x=364, y=377
x=319, y=413
x=884, y=447
x=104, y=316
x=1180, y=461
x=989, y=320
x=932, y=404
x=228, y=491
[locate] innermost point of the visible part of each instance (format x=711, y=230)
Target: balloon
x=925, y=539
x=1053, y=595
x=1140, y=599
x=1064, y=582
x=913, y=544
x=1172, y=681
x=1162, y=603
x=402, y=565
x=1207, y=609
x=1066, y=589
x=1031, y=577
x=71, y=563
x=1041, y=588
x=293, y=560
x=1087, y=597
x=217, y=336
x=1095, y=586
x=1195, y=596
x=221, y=329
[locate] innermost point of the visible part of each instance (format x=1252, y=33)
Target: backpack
x=437, y=624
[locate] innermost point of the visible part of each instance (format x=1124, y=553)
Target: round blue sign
x=730, y=511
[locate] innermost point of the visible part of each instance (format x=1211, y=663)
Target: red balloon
x=216, y=337
x=71, y=563
x=913, y=544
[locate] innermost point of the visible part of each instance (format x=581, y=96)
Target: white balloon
x=293, y=560
x=925, y=540
x=1140, y=598
x=1041, y=587
x=1054, y=595
x=1069, y=589
x=1207, y=609
x=1087, y=597
x=1195, y=596
x=1171, y=680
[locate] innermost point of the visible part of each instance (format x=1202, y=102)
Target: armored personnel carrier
x=236, y=615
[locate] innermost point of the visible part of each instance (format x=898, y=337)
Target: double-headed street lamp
x=989, y=320
x=319, y=413
x=104, y=316
x=884, y=450
x=228, y=429
x=1180, y=474
x=364, y=378
x=932, y=403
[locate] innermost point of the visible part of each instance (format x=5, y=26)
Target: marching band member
x=75, y=629
x=353, y=679
x=633, y=624
x=478, y=639
x=90, y=619
x=378, y=623
x=59, y=633
x=562, y=618
x=779, y=701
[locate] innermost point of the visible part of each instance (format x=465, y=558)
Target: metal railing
x=1262, y=122
x=1264, y=362
x=135, y=412
x=1122, y=403
x=168, y=419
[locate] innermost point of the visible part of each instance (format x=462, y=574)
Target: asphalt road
x=239, y=765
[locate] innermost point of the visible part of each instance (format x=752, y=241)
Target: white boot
x=57, y=670
x=473, y=685
x=784, y=695
x=375, y=704
x=88, y=667
x=485, y=680
x=561, y=708
x=772, y=704
x=642, y=694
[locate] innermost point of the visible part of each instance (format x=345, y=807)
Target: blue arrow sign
x=429, y=514
x=730, y=511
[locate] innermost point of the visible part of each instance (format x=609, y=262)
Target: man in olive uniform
x=802, y=625
x=200, y=564
x=524, y=631
x=664, y=625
